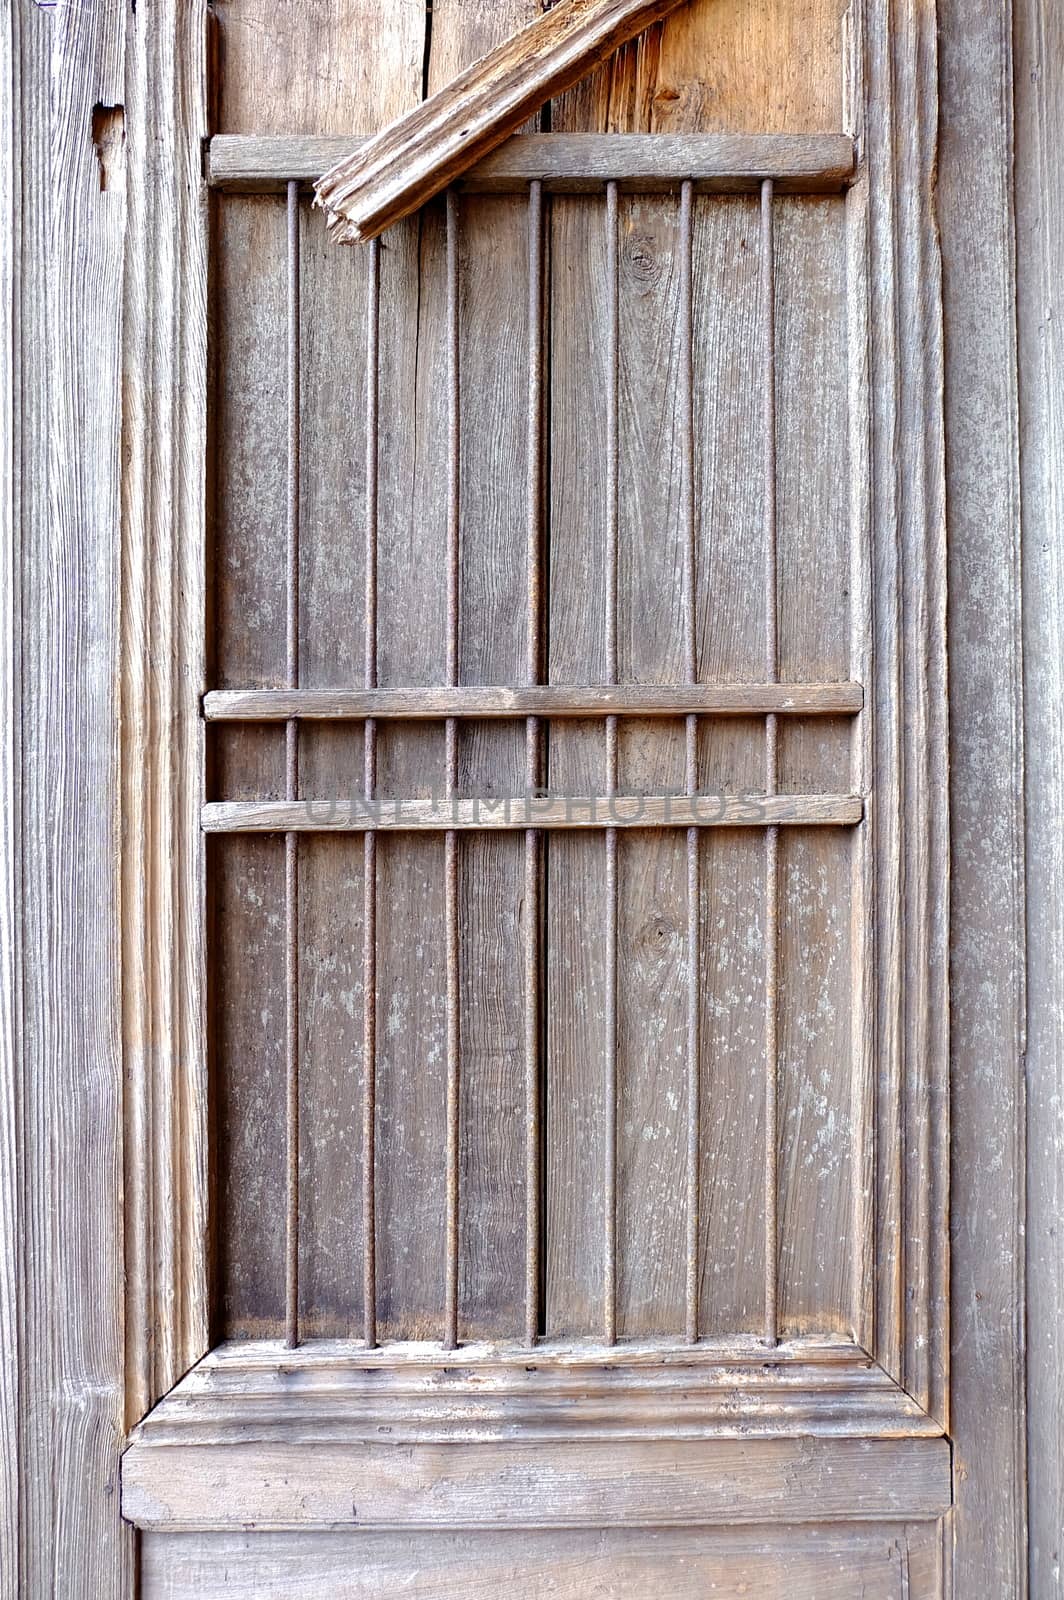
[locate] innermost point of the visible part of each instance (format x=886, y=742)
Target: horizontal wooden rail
x=566, y=162
x=354, y=815
x=548, y=700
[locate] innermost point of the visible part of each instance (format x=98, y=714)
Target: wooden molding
x=161, y=676
x=898, y=448
x=486, y=1436
x=565, y=163
x=424, y=151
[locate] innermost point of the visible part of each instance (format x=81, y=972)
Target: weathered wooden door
x=575, y=827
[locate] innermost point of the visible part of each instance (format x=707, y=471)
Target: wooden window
x=612, y=1119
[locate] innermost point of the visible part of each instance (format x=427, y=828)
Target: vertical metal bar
x=291, y=862
x=694, y=949
x=369, y=838
x=768, y=398
x=533, y=666
x=451, y=761
x=612, y=534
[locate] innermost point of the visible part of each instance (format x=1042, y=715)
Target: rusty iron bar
x=450, y=1338
x=612, y=547
x=533, y=847
x=369, y=841
x=768, y=397
x=690, y=615
x=291, y=862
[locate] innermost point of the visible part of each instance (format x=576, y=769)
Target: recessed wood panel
x=891, y=1562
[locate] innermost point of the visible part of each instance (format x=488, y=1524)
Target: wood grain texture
x=317, y=67
x=720, y=65
x=987, y=866
x=492, y=813
x=68, y=231
x=11, y=953
x=902, y=345
x=572, y=700
x=565, y=163
x=885, y=1561
x=162, y=671
x=416, y=1394
x=336, y=91
x=1039, y=128
x=533, y=1485
x=495, y=918
x=474, y=111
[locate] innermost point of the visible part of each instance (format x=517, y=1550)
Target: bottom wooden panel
x=884, y=1561
x=591, y=1484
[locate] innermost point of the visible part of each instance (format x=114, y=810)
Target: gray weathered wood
x=417, y=1394
x=162, y=673
x=64, y=225
x=987, y=866
x=514, y=1484
x=11, y=953
x=988, y=1200
x=1039, y=131
x=565, y=162
x=903, y=350
x=493, y=813
x=880, y=1561
x=558, y=699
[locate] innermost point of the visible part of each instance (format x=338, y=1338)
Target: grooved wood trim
x=355, y=815
x=164, y=437
x=898, y=342
x=553, y=700
x=425, y=150
x=565, y=162
x=532, y=1484
x=418, y=1394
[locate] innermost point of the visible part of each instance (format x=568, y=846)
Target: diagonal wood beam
x=424, y=151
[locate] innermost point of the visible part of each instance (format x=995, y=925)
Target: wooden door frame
x=102, y=219
x=189, y=1465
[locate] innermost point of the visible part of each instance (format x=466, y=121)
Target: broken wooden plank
x=358, y=815
x=424, y=151
x=539, y=700
x=563, y=162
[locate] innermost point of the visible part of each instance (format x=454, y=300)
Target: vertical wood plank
x=731, y=632
x=246, y=883
x=1039, y=45
x=492, y=649
x=16, y=140
x=576, y=978
x=652, y=872
x=280, y=71
x=411, y=1087
x=70, y=234
x=987, y=866
x=492, y=628
x=331, y=647
x=816, y=1066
